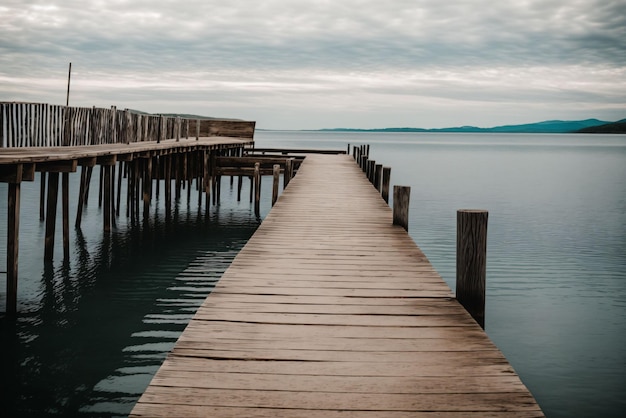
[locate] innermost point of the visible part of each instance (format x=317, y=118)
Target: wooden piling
x=378, y=174
x=386, y=177
x=371, y=164
x=65, y=209
x=276, y=175
x=168, y=183
x=51, y=215
x=81, y=197
x=207, y=180
x=147, y=186
x=13, y=232
x=239, y=187
x=401, y=197
x=88, y=183
x=471, y=261
x=42, y=197
x=288, y=174
x=107, y=197
x=257, y=189
x=119, y=188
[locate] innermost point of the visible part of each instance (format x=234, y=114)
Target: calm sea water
x=92, y=332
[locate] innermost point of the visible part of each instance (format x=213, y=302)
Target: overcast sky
x=307, y=64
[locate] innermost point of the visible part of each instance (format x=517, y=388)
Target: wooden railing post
x=113, y=128
x=401, y=197
x=197, y=129
x=471, y=262
x=177, y=128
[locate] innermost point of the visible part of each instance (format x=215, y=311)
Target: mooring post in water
x=276, y=176
x=370, y=170
x=288, y=172
x=257, y=189
x=401, y=198
x=378, y=174
x=65, y=209
x=385, y=187
x=42, y=197
x=51, y=215
x=13, y=232
x=471, y=261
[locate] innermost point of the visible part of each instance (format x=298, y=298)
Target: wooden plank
x=147, y=410
x=443, y=402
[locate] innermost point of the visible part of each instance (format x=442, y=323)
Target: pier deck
x=330, y=310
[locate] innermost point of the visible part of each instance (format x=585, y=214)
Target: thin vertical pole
x=65, y=208
x=276, y=175
x=51, y=215
x=107, y=196
x=42, y=197
x=81, y=196
x=257, y=189
x=13, y=231
x=239, y=187
x=119, y=187
x=69, y=76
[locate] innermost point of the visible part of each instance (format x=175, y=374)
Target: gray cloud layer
x=299, y=55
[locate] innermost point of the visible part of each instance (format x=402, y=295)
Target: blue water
x=92, y=332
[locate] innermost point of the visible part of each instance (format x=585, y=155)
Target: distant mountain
x=550, y=126
x=182, y=115
x=618, y=127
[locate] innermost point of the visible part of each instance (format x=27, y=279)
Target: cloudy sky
x=307, y=64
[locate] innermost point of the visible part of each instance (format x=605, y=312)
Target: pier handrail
x=44, y=125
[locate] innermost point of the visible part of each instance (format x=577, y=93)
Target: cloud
x=363, y=54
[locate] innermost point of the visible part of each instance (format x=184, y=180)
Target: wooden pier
x=147, y=150
x=330, y=310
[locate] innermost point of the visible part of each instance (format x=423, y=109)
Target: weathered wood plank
x=238, y=412
x=443, y=402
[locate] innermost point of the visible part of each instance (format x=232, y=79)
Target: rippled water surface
x=91, y=333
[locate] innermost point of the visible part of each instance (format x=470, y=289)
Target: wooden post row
x=471, y=261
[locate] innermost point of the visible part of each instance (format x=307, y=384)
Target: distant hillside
x=550, y=126
x=182, y=115
x=618, y=127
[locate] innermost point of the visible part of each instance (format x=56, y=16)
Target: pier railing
x=45, y=125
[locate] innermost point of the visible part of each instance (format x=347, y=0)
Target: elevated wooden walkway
x=331, y=311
